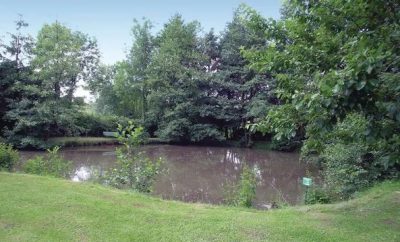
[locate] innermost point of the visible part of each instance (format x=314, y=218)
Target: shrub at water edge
x=134, y=170
x=243, y=193
x=50, y=165
x=8, y=157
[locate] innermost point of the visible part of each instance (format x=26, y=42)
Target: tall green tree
x=122, y=89
x=102, y=87
x=63, y=58
x=241, y=93
x=337, y=69
x=14, y=69
x=176, y=70
x=139, y=60
x=46, y=106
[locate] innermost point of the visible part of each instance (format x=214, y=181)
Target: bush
x=131, y=136
x=134, y=170
x=317, y=195
x=8, y=157
x=247, y=187
x=286, y=144
x=95, y=125
x=344, y=172
x=244, y=193
x=349, y=158
x=50, y=165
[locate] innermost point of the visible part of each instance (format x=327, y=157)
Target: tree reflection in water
x=198, y=174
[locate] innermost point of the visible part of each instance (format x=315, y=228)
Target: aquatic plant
x=52, y=164
x=243, y=193
x=134, y=170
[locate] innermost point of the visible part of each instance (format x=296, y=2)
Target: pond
x=201, y=174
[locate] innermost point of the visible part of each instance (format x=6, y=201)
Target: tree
x=46, y=106
x=334, y=61
x=102, y=87
x=62, y=58
x=139, y=60
x=191, y=88
x=176, y=70
x=14, y=69
x=123, y=88
x=241, y=95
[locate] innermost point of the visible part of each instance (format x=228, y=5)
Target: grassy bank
x=81, y=141
x=88, y=141
x=47, y=209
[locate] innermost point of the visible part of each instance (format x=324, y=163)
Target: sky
x=110, y=21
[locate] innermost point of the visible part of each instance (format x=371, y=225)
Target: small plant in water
x=134, y=170
x=243, y=193
x=52, y=164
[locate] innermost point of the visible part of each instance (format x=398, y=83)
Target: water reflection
x=199, y=174
x=83, y=173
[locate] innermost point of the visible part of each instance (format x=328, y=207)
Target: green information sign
x=307, y=181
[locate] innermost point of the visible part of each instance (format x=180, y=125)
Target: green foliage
x=174, y=87
x=281, y=121
x=102, y=86
x=122, y=88
x=247, y=187
x=203, y=93
x=344, y=171
x=318, y=195
x=93, y=124
x=243, y=193
x=240, y=95
x=52, y=164
x=8, y=157
x=14, y=70
x=336, y=71
x=63, y=58
x=350, y=159
x=205, y=133
x=134, y=170
x=81, y=141
x=131, y=135
x=40, y=103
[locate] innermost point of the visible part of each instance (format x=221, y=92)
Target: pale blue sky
x=110, y=21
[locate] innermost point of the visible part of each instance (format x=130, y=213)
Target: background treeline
x=182, y=84
x=187, y=87
x=38, y=79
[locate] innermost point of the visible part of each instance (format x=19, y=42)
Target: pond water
x=201, y=174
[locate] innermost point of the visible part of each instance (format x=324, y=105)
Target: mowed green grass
x=34, y=208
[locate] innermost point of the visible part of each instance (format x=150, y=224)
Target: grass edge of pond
x=55, y=209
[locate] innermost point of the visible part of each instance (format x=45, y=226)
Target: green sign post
x=306, y=182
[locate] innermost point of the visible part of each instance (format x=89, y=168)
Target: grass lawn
x=34, y=208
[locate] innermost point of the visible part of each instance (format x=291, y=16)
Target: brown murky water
x=201, y=174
